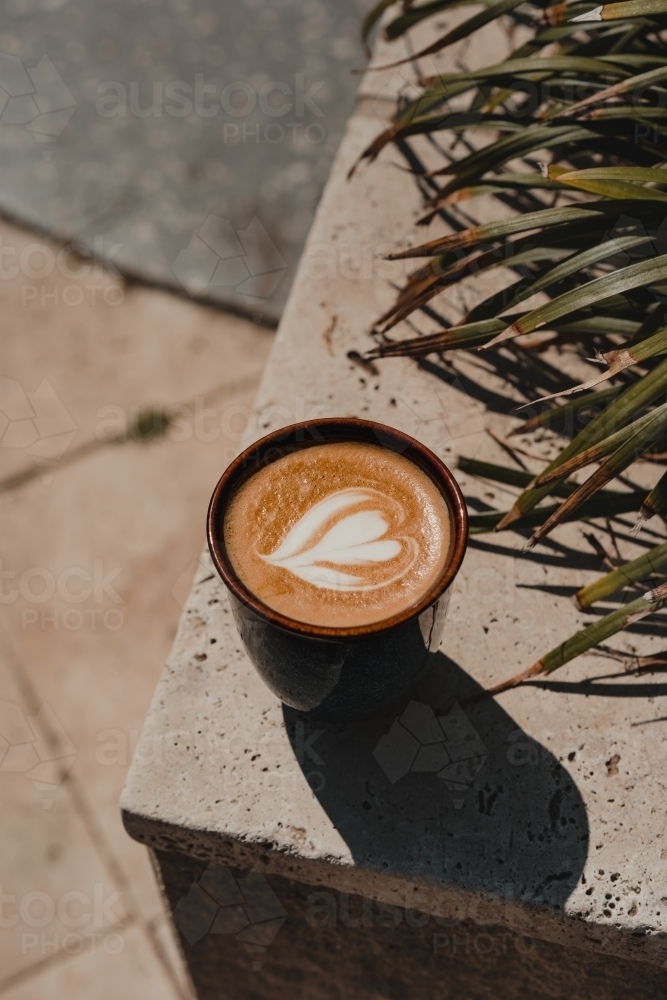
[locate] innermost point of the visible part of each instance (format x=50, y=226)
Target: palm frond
x=588, y=91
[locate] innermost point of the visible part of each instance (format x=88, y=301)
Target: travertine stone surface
x=561, y=834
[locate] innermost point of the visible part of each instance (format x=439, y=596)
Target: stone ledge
x=568, y=808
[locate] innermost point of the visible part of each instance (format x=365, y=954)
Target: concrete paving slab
x=133, y=513
x=187, y=142
x=132, y=518
x=137, y=508
x=57, y=891
x=126, y=967
x=82, y=353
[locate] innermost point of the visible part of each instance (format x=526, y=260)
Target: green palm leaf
x=371, y=19
x=643, y=273
x=631, y=401
x=647, y=434
x=630, y=8
x=582, y=641
x=596, y=451
x=492, y=12
x=641, y=568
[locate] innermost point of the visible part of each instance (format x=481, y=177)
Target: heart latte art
x=338, y=534
x=349, y=539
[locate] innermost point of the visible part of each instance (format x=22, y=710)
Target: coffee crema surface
x=339, y=535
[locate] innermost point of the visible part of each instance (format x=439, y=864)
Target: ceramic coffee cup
x=339, y=674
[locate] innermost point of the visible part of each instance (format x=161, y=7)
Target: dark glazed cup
x=339, y=674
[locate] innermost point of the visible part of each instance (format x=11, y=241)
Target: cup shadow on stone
x=460, y=795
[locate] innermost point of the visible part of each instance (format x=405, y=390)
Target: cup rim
x=335, y=429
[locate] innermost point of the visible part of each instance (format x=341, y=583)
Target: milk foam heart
x=351, y=540
x=338, y=534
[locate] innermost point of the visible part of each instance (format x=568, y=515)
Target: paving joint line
x=24, y=476
x=131, y=278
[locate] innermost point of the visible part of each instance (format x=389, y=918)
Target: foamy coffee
x=340, y=534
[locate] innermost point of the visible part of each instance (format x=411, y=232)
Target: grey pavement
x=185, y=142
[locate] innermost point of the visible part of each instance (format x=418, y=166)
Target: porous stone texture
x=324, y=945
x=548, y=819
